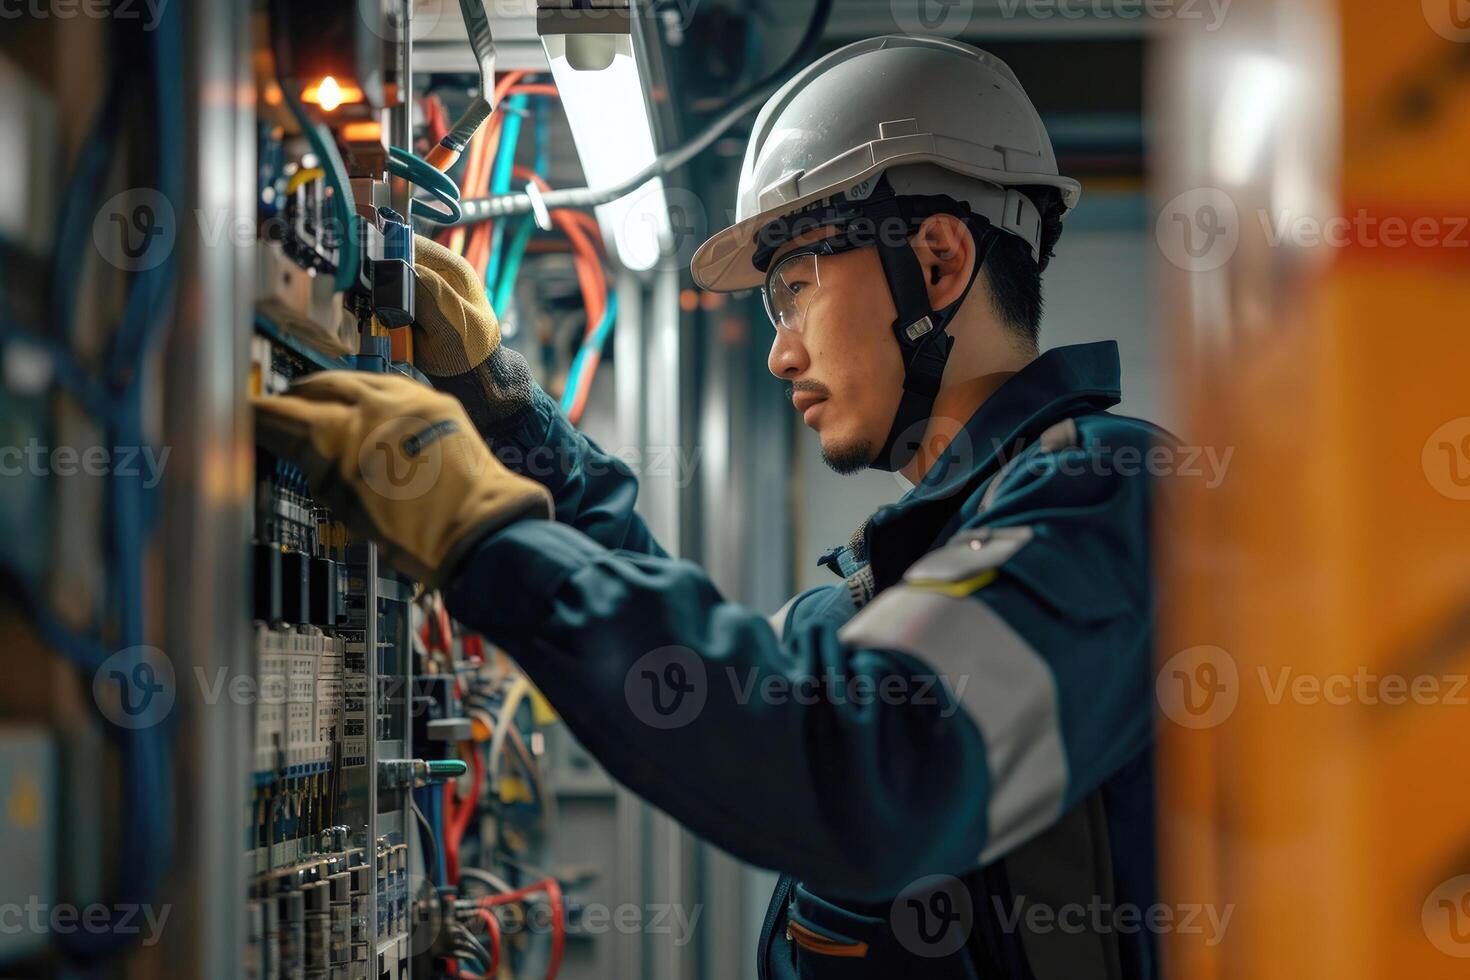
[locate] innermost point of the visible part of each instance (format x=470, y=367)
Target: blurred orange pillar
x=1313, y=196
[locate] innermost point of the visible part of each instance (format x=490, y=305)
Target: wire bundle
x=497, y=249
x=114, y=400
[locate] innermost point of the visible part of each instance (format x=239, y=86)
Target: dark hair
x=1015, y=278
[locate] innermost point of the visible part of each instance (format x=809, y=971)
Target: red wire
x=558, y=928
x=492, y=930
x=558, y=916
x=535, y=88
x=589, y=266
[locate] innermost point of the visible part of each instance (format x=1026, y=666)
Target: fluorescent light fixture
x=604, y=95
x=1256, y=93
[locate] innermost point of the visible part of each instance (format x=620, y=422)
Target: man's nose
x=788, y=358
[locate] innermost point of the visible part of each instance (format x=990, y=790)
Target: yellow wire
x=306, y=176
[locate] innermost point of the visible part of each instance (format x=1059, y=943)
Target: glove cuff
x=496, y=394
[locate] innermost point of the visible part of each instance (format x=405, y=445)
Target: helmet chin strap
x=923, y=339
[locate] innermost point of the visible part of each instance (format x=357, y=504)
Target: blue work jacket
x=948, y=753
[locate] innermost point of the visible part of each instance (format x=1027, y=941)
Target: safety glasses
x=794, y=282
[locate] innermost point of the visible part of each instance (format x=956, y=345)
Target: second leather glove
x=457, y=341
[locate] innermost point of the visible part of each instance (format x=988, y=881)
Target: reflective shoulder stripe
x=778, y=618
x=1005, y=686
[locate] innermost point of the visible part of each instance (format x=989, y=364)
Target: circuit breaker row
x=314, y=921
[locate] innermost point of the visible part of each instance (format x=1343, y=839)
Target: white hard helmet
x=924, y=106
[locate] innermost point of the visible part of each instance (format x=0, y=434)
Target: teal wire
x=325, y=148
x=579, y=363
x=513, y=258
x=500, y=176
x=403, y=164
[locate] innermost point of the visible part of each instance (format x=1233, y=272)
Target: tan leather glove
x=400, y=463
x=456, y=339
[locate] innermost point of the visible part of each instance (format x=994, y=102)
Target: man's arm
x=594, y=491
x=832, y=753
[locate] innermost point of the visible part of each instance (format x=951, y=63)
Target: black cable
x=487, y=208
x=465, y=942
x=432, y=860
x=805, y=48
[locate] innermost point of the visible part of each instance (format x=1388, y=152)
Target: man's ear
x=946, y=253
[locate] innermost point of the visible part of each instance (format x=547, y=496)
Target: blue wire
x=595, y=342
x=146, y=840
x=543, y=135
x=435, y=814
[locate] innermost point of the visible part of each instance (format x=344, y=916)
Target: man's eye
x=796, y=287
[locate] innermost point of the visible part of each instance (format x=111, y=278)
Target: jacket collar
x=1062, y=383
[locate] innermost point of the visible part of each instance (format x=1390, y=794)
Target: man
x=948, y=753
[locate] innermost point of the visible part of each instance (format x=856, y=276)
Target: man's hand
x=399, y=463
x=457, y=341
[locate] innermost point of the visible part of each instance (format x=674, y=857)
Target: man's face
x=843, y=365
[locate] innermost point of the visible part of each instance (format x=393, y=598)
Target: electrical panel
x=328, y=846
